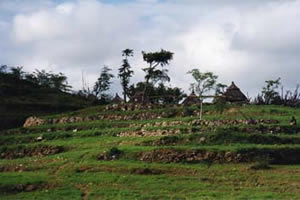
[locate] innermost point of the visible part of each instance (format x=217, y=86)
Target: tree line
x=153, y=88
x=39, y=78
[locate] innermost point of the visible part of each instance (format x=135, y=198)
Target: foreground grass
x=76, y=173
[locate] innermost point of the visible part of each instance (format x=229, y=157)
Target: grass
x=76, y=173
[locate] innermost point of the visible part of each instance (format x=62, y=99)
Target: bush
x=262, y=162
x=114, y=152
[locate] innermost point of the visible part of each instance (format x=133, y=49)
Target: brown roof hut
x=192, y=99
x=234, y=95
x=140, y=98
x=117, y=99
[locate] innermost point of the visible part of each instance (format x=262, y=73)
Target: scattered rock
x=202, y=139
x=39, y=139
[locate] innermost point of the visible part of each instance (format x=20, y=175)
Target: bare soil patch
x=29, y=187
x=23, y=151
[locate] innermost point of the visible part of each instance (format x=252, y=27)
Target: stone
x=40, y=138
x=164, y=124
x=202, y=139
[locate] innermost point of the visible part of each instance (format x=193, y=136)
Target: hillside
x=20, y=99
x=154, y=152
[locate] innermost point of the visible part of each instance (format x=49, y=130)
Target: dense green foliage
x=40, y=93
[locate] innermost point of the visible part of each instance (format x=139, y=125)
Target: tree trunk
x=124, y=93
x=145, y=88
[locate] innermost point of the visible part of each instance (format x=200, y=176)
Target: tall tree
x=204, y=82
x=270, y=92
x=103, y=83
x=125, y=72
x=153, y=74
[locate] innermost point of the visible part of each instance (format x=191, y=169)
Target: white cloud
x=248, y=42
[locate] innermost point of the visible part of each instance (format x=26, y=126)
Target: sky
x=247, y=42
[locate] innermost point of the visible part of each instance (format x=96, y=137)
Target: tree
x=220, y=88
x=153, y=74
x=17, y=72
x=168, y=95
x=125, y=72
x=49, y=79
x=269, y=92
x=59, y=81
x=204, y=82
x=160, y=94
x=103, y=83
x=3, y=69
x=41, y=78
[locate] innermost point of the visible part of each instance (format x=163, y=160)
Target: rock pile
x=206, y=123
x=34, y=121
x=277, y=156
x=190, y=156
x=144, y=133
x=133, y=107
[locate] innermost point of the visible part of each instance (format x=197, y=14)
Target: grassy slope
x=77, y=174
x=20, y=99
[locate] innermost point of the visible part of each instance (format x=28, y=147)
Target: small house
x=140, y=98
x=192, y=99
x=234, y=95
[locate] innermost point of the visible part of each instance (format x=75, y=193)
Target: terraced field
x=132, y=152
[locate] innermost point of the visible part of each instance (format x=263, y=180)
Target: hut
x=117, y=99
x=140, y=98
x=234, y=95
x=192, y=99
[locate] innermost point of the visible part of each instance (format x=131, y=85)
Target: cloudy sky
x=243, y=41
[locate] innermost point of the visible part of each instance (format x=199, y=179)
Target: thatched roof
x=138, y=98
x=234, y=94
x=117, y=99
x=192, y=99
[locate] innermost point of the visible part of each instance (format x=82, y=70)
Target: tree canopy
x=103, y=83
x=204, y=82
x=125, y=72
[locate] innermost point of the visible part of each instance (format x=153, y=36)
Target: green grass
x=76, y=173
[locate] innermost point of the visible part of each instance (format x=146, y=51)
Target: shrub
x=114, y=152
x=262, y=162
